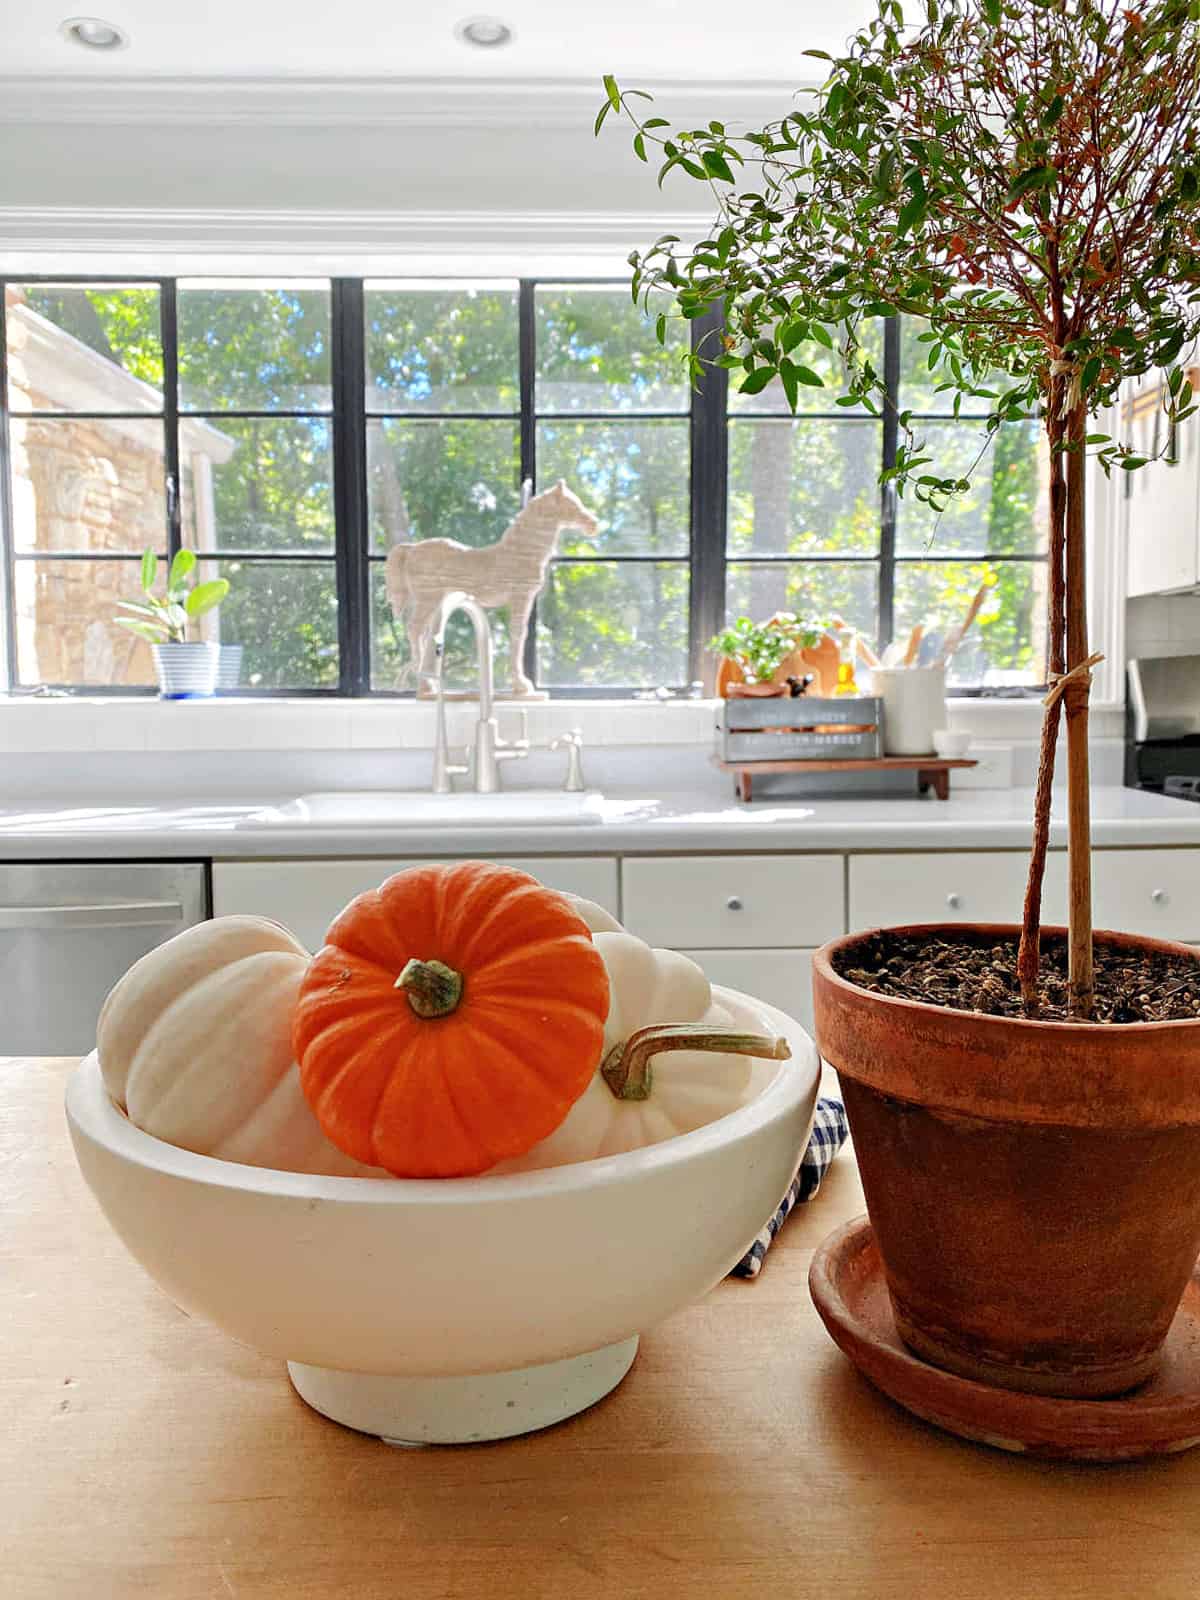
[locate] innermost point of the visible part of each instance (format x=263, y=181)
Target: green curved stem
x=626, y=1068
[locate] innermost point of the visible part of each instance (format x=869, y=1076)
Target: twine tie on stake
x=1060, y=682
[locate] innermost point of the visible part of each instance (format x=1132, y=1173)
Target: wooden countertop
x=143, y=1453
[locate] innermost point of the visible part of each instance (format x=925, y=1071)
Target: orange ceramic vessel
x=1034, y=1187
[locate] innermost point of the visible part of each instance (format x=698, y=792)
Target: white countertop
x=632, y=823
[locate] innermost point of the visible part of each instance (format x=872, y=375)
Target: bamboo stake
x=1029, y=949
x=1075, y=700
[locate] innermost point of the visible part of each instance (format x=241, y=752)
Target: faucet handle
x=513, y=749
x=572, y=742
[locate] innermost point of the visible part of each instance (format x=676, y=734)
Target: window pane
x=632, y=476
x=77, y=349
x=1007, y=506
x=441, y=347
x=596, y=351
x=829, y=365
x=286, y=615
x=815, y=590
x=804, y=486
x=252, y=483
x=441, y=480
x=919, y=387
x=391, y=647
x=612, y=623
x=65, y=628
x=1006, y=643
x=254, y=347
x=88, y=485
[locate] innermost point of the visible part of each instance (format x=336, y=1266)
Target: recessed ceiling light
x=486, y=32
x=93, y=33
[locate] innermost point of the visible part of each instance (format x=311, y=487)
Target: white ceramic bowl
x=426, y=1310
x=951, y=743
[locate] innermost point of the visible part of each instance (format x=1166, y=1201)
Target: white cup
x=951, y=743
x=914, y=707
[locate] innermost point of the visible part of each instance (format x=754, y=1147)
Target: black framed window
x=293, y=432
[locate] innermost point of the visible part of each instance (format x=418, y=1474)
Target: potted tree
x=1025, y=176
x=187, y=669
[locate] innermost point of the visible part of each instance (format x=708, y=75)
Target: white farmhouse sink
x=416, y=808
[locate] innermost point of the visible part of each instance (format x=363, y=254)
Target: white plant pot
x=229, y=666
x=186, y=671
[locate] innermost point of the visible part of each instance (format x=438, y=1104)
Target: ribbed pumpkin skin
x=450, y=1096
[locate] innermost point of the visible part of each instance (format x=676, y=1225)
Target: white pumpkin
x=689, y=1087
x=195, y=1046
x=597, y=918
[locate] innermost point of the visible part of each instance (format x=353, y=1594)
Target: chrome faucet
x=489, y=749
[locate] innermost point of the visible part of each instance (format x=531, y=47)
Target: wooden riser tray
x=932, y=771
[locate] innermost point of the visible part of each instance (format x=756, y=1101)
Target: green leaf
x=716, y=166
x=149, y=569
x=144, y=630
x=611, y=90
x=600, y=116
x=1091, y=371
x=793, y=333
x=1032, y=179
x=822, y=335
x=912, y=212
x=1096, y=438
x=756, y=381
x=153, y=610
x=791, y=388
x=639, y=146
x=808, y=377
x=183, y=563
x=205, y=596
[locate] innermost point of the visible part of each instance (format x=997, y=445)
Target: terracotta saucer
x=1161, y=1417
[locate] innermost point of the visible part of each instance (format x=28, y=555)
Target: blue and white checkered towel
x=828, y=1135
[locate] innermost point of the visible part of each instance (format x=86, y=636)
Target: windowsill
x=77, y=724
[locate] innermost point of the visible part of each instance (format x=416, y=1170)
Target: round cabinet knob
x=1159, y=896
x=734, y=903
x=954, y=900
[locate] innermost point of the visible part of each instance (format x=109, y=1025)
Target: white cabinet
x=1162, y=500
x=734, y=902
x=305, y=895
x=949, y=886
x=782, y=978
x=1153, y=892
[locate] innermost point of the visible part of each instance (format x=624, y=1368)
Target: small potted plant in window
x=755, y=651
x=187, y=669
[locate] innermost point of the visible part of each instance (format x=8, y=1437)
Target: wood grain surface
x=144, y=1454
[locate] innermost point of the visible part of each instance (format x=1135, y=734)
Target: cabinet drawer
x=782, y=978
x=306, y=895
x=1156, y=892
x=733, y=902
x=949, y=886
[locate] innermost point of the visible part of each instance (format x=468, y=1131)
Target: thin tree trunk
x=1075, y=699
x=1029, y=950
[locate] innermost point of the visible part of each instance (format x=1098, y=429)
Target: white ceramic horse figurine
x=509, y=573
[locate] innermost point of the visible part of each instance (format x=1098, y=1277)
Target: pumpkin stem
x=626, y=1068
x=433, y=989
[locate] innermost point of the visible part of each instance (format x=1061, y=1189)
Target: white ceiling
x=555, y=40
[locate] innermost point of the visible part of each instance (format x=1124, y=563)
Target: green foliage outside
x=798, y=487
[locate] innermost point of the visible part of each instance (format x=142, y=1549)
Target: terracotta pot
x=755, y=691
x=1034, y=1187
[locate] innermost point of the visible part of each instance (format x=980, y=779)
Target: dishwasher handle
x=123, y=914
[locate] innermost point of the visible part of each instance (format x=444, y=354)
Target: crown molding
x=370, y=102
x=472, y=242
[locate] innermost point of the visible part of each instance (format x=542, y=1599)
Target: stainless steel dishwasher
x=68, y=930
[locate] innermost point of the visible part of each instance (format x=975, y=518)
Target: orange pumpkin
x=452, y=1019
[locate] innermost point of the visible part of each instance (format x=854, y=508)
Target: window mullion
x=886, y=614
x=349, y=373
x=709, y=450
x=168, y=311
x=526, y=366
x=8, y=535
